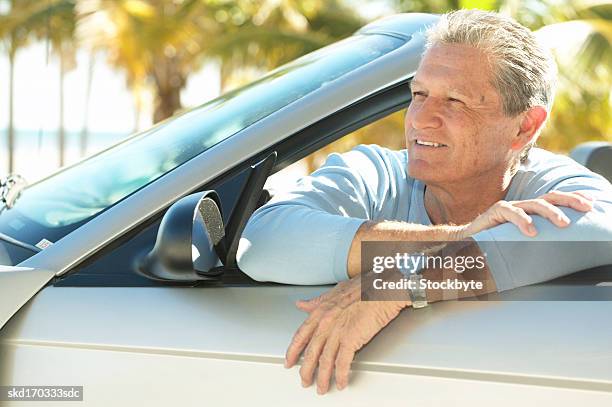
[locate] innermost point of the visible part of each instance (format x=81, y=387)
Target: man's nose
x=425, y=114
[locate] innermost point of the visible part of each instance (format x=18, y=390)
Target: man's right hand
x=517, y=212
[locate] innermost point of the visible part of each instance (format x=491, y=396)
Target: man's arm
x=303, y=236
x=356, y=322
x=525, y=241
x=518, y=260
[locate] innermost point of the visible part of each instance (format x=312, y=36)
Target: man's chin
x=424, y=172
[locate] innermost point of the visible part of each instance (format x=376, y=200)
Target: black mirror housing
x=171, y=258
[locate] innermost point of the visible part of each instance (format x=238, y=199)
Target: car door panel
x=226, y=345
x=17, y=286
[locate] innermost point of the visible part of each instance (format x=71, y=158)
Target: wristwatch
x=418, y=296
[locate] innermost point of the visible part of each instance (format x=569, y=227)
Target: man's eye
x=415, y=94
x=454, y=100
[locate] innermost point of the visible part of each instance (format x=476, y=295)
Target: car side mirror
x=172, y=256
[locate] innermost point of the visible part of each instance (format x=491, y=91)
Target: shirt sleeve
x=303, y=236
x=517, y=260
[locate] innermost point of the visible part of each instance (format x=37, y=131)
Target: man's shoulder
x=544, y=169
x=370, y=159
x=377, y=153
x=541, y=161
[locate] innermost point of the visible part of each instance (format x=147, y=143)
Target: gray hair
x=524, y=72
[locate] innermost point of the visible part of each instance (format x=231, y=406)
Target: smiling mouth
x=429, y=144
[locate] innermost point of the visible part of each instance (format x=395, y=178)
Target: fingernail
x=320, y=390
x=304, y=383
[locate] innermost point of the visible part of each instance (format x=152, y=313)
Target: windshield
x=77, y=193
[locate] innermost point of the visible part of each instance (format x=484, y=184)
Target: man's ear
x=531, y=122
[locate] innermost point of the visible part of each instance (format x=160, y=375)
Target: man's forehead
x=454, y=67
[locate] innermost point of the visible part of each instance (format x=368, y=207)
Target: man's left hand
x=338, y=325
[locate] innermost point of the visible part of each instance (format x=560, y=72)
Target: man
x=480, y=97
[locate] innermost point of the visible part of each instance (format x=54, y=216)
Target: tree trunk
x=168, y=102
x=224, y=76
x=137, y=108
x=168, y=82
x=83, y=139
x=61, y=140
x=10, y=144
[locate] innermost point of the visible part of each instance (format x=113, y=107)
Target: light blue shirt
x=303, y=236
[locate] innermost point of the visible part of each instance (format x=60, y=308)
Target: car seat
x=596, y=156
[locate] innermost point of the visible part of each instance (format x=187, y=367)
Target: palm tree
x=14, y=36
x=53, y=21
x=273, y=32
x=83, y=139
x=155, y=42
x=583, y=108
x=160, y=42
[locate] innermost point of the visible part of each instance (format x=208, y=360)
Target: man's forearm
x=414, y=238
x=398, y=231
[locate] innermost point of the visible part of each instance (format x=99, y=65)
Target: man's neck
x=459, y=203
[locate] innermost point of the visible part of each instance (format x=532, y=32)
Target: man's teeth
x=428, y=143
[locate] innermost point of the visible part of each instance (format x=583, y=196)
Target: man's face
x=455, y=104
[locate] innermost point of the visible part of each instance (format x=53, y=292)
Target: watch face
x=417, y=293
x=419, y=304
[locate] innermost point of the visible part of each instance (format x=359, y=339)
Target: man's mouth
x=429, y=143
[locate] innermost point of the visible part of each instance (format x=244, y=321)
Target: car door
x=17, y=286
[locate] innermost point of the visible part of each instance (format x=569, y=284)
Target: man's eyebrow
x=462, y=94
x=415, y=82
x=454, y=90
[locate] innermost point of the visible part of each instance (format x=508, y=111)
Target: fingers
x=311, y=356
x=545, y=209
x=546, y=206
x=338, y=291
x=308, y=305
x=578, y=200
x=300, y=340
x=327, y=362
x=583, y=194
x=516, y=215
x=343, y=366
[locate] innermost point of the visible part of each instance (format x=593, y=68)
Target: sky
x=111, y=106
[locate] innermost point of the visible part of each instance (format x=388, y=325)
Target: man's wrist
x=459, y=232
x=399, y=231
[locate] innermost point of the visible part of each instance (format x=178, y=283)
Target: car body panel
x=399, y=25
x=163, y=337
x=17, y=286
x=135, y=379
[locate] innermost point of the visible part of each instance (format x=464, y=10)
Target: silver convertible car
x=119, y=273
